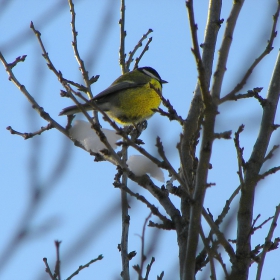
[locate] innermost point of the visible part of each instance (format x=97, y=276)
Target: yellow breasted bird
x=130, y=99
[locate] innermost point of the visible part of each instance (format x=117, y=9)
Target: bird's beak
x=164, y=82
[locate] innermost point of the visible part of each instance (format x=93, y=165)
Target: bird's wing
x=117, y=87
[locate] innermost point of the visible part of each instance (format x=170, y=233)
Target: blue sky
x=83, y=192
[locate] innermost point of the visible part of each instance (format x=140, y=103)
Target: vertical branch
x=123, y=35
x=75, y=48
x=240, y=267
x=188, y=242
x=124, y=200
x=224, y=50
x=82, y=68
x=125, y=226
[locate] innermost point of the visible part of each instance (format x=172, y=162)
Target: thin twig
x=17, y=60
x=239, y=151
x=267, y=242
x=269, y=172
x=152, y=207
x=224, y=50
x=149, y=266
x=219, y=258
x=261, y=225
x=226, y=208
x=75, y=48
x=146, y=48
x=171, y=114
x=143, y=257
x=210, y=254
x=34, y=104
x=138, y=45
x=57, y=263
x=81, y=267
x=219, y=235
x=48, y=270
x=27, y=135
x=271, y=153
x=196, y=51
x=166, y=161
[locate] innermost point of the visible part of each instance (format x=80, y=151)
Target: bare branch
x=200, y=67
x=220, y=235
x=122, y=42
x=146, y=48
x=250, y=93
x=261, y=225
x=239, y=151
x=57, y=263
x=143, y=257
x=210, y=255
x=269, y=172
x=138, y=46
x=153, y=208
x=81, y=267
x=250, y=70
x=224, y=50
x=17, y=60
x=27, y=135
x=34, y=104
x=168, y=164
x=271, y=153
x=149, y=266
x=253, y=166
x=268, y=242
x=76, y=52
x=172, y=114
x=48, y=270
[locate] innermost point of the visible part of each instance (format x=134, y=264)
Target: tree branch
x=253, y=166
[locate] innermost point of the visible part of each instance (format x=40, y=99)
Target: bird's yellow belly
x=138, y=106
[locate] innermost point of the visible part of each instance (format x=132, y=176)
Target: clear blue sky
x=82, y=192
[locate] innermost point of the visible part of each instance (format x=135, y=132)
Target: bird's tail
x=71, y=110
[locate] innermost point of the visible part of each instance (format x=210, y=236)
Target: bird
x=130, y=99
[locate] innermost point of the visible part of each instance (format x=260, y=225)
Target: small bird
x=130, y=99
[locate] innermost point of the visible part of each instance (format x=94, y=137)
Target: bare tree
x=198, y=133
